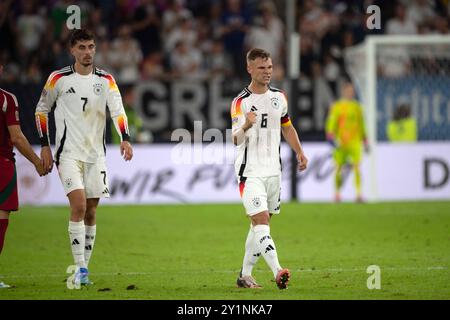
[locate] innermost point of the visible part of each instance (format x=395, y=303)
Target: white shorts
x=91, y=177
x=261, y=194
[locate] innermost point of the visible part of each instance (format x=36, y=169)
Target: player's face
x=84, y=52
x=348, y=92
x=261, y=70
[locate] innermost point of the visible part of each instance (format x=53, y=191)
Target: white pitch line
x=360, y=269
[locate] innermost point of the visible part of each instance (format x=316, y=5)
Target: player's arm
x=331, y=125
x=43, y=108
x=291, y=137
x=16, y=135
x=24, y=147
x=362, y=126
x=240, y=122
x=119, y=118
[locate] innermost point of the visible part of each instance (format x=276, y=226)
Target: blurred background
x=178, y=61
x=199, y=40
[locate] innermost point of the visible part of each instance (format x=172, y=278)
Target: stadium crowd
x=172, y=39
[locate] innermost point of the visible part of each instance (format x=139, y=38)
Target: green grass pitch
x=194, y=252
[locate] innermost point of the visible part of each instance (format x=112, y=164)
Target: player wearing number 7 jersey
x=81, y=93
x=259, y=115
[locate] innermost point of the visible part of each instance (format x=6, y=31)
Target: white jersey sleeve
x=238, y=112
x=115, y=106
x=46, y=101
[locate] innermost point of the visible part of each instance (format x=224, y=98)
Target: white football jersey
x=259, y=154
x=80, y=114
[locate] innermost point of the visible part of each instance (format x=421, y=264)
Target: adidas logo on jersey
x=253, y=109
x=71, y=90
x=106, y=191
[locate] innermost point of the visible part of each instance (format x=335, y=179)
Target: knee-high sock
x=264, y=242
x=357, y=180
x=89, y=242
x=251, y=255
x=77, y=236
x=338, y=179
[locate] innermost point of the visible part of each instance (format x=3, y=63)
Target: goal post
x=389, y=70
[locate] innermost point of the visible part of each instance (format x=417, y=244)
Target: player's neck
x=258, y=88
x=83, y=70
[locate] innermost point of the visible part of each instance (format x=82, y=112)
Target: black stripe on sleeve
x=61, y=146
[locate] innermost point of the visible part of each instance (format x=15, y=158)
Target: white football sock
x=89, y=242
x=252, y=253
x=265, y=244
x=77, y=240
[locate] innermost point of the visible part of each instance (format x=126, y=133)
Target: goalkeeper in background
x=345, y=130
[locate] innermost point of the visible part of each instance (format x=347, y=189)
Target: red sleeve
x=11, y=109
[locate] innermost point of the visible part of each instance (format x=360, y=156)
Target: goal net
x=394, y=75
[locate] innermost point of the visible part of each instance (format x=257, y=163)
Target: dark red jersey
x=9, y=115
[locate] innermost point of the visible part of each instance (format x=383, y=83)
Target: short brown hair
x=81, y=35
x=255, y=53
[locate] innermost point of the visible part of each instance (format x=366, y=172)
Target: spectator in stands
x=401, y=23
x=421, y=12
x=152, y=67
x=30, y=28
x=126, y=56
x=33, y=72
x=183, y=30
x=403, y=127
x=217, y=61
x=214, y=18
x=173, y=14
x=185, y=62
x=62, y=58
x=103, y=56
x=394, y=61
x=146, y=26
x=267, y=33
x=235, y=24
x=7, y=22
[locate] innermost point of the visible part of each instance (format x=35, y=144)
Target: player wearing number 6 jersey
x=81, y=93
x=259, y=115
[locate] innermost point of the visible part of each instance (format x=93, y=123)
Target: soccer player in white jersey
x=81, y=92
x=259, y=115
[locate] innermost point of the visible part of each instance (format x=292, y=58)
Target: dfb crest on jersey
x=275, y=103
x=98, y=89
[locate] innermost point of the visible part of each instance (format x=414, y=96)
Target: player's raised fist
x=250, y=119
